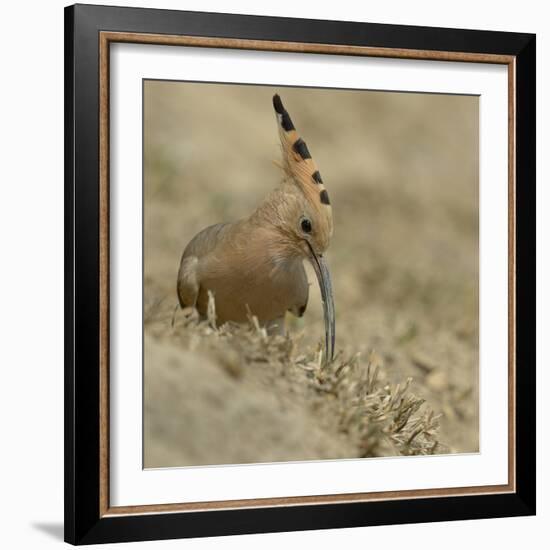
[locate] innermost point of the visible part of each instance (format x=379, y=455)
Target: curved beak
x=325, y=284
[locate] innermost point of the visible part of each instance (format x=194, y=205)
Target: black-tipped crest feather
x=286, y=121
x=297, y=160
x=301, y=148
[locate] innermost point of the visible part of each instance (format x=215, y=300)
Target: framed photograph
x=300, y=274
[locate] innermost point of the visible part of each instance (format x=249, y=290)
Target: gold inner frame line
x=105, y=39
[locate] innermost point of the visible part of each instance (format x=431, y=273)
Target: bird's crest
x=297, y=162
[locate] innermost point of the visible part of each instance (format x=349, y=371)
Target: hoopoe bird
x=255, y=265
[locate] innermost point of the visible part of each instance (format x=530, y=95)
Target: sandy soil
x=402, y=173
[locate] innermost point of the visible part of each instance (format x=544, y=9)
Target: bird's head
x=303, y=211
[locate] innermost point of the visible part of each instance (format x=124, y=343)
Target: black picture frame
x=84, y=524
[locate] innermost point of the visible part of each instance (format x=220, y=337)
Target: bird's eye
x=306, y=225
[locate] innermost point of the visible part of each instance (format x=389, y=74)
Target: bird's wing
x=201, y=245
x=188, y=285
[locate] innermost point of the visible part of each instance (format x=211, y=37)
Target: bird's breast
x=261, y=283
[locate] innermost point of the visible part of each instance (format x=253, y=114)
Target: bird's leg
x=276, y=326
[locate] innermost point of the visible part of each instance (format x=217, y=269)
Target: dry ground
x=402, y=173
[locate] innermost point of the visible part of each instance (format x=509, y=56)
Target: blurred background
x=402, y=173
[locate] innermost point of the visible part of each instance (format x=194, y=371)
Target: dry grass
x=376, y=417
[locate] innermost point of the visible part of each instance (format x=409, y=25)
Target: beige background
x=402, y=173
